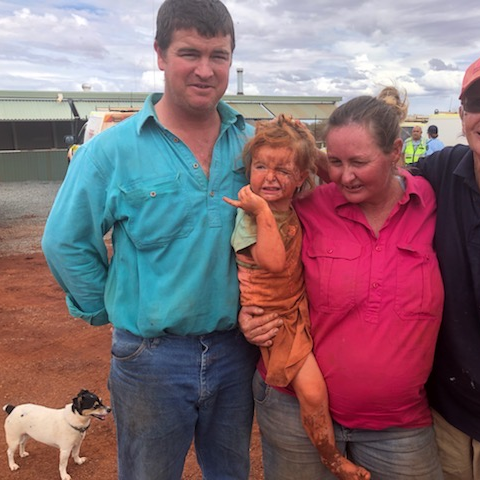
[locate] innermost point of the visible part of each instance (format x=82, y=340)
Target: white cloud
x=80, y=21
x=309, y=47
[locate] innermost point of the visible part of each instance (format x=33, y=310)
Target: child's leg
x=311, y=390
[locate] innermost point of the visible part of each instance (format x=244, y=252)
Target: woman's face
x=361, y=171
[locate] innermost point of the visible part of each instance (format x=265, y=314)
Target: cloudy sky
x=286, y=47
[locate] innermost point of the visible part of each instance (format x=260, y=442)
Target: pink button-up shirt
x=375, y=304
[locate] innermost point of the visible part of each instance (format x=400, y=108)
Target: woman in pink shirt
x=375, y=295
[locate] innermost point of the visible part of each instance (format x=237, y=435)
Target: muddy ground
x=46, y=356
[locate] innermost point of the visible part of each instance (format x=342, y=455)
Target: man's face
x=196, y=71
x=416, y=133
x=470, y=115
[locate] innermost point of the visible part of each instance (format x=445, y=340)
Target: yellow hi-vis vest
x=413, y=153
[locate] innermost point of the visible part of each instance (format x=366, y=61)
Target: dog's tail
x=8, y=408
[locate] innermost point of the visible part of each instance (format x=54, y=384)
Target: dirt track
x=46, y=356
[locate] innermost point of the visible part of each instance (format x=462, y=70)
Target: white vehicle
x=448, y=123
x=98, y=121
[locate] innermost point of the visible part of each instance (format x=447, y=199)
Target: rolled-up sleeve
x=73, y=240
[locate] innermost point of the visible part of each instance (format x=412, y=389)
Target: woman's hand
x=259, y=328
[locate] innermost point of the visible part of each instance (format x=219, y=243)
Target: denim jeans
x=288, y=454
x=170, y=390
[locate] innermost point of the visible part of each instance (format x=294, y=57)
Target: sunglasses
x=471, y=104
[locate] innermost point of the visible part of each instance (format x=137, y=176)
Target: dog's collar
x=80, y=429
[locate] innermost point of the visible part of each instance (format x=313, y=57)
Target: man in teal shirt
x=180, y=369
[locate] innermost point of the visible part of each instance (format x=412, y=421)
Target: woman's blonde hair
x=383, y=115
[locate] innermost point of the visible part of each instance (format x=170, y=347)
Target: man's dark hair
x=209, y=17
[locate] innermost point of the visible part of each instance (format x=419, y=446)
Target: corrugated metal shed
x=18, y=110
x=22, y=105
x=251, y=110
x=46, y=165
x=302, y=111
x=34, y=125
x=48, y=106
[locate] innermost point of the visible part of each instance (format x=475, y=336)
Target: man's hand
x=258, y=327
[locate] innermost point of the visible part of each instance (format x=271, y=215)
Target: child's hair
x=285, y=132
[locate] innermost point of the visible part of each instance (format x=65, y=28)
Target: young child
x=267, y=240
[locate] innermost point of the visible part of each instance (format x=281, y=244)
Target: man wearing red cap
x=454, y=385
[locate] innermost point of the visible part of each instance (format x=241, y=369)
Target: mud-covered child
x=280, y=162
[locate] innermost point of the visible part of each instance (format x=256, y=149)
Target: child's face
x=275, y=177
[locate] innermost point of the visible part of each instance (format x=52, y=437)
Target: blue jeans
x=288, y=454
x=170, y=390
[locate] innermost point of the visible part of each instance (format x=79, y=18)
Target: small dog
x=64, y=428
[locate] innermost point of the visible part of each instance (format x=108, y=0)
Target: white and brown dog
x=64, y=428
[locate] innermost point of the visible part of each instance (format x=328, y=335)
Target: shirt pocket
x=331, y=274
x=156, y=211
x=419, y=290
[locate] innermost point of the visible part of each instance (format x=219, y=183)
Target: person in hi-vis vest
x=414, y=147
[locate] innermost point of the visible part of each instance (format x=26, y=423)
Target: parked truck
x=448, y=123
x=98, y=121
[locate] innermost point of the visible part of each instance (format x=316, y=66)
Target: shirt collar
x=466, y=170
x=228, y=115
x=412, y=189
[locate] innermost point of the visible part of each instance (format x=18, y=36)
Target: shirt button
x=378, y=249
x=195, y=165
x=330, y=250
x=212, y=193
x=375, y=285
x=153, y=194
x=176, y=140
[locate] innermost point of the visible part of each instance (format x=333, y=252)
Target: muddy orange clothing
x=375, y=304
x=282, y=292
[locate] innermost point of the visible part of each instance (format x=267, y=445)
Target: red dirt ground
x=47, y=357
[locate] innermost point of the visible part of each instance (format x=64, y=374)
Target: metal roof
x=251, y=110
x=54, y=106
x=302, y=111
x=33, y=110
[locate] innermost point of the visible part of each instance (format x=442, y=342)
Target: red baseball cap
x=471, y=76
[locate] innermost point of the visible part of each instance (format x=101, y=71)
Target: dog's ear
x=75, y=399
x=76, y=404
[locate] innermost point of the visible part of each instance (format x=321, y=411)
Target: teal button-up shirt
x=172, y=268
